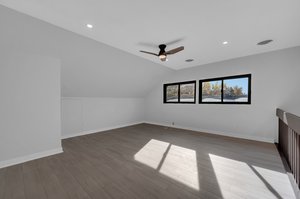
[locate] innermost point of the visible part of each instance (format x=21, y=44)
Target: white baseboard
x=235, y=135
x=100, y=130
x=30, y=157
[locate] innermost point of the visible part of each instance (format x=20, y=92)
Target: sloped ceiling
x=89, y=68
x=200, y=25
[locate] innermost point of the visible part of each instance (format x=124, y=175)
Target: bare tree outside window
x=172, y=93
x=180, y=92
x=187, y=92
x=235, y=90
x=211, y=91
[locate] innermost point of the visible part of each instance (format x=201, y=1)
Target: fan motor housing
x=162, y=48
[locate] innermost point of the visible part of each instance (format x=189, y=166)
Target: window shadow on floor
x=219, y=160
x=156, y=162
x=270, y=188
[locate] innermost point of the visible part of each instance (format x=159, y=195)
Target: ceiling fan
x=163, y=53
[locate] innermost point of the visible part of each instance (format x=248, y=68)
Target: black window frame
x=222, y=82
x=179, y=84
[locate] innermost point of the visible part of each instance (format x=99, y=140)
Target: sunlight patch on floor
x=152, y=153
x=279, y=181
x=178, y=163
x=244, y=180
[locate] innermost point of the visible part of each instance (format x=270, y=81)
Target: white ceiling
x=200, y=25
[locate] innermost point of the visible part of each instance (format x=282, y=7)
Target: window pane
x=187, y=92
x=211, y=91
x=235, y=90
x=172, y=93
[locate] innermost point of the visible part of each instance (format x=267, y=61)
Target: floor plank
x=14, y=186
x=54, y=189
x=2, y=182
x=32, y=182
x=70, y=184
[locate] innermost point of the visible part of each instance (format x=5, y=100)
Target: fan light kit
x=162, y=55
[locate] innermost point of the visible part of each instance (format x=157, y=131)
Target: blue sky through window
x=240, y=82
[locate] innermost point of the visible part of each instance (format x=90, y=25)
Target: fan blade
x=148, y=53
x=174, y=41
x=176, y=50
x=148, y=44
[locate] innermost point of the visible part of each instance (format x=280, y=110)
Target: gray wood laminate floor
x=148, y=161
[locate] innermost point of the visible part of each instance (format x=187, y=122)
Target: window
x=181, y=92
x=172, y=93
x=211, y=91
x=226, y=90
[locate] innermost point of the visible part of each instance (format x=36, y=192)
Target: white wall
x=30, y=122
x=88, y=115
x=88, y=69
x=275, y=83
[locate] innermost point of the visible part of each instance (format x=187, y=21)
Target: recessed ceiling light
x=189, y=60
x=225, y=42
x=265, y=42
x=89, y=25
